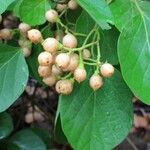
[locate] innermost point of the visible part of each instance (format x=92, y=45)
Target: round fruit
x=23, y=27
x=26, y=52
x=61, y=7
x=64, y=87
x=51, y=45
x=56, y=70
x=74, y=62
x=80, y=74
x=34, y=36
x=62, y=60
x=72, y=4
x=6, y=34
x=86, y=54
x=45, y=59
x=44, y=71
x=70, y=41
x=107, y=70
x=29, y=118
x=38, y=116
x=51, y=16
x=50, y=80
x=96, y=82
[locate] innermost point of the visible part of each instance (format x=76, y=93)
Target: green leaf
x=134, y=52
x=33, y=12
x=13, y=75
x=6, y=125
x=26, y=139
x=99, y=11
x=108, y=45
x=4, y=4
x=97, y=120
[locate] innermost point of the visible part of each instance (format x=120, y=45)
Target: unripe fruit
x=26, y=51
x=34, y=36
x=51, y=16
x=45, y=59
x=86, y=54
x=50, y=80
x=51, y=45
x=80, y=74
x=62, y=60
x=74, y=62
x=96, y=82
x=38, y=116
x=6, y=34
x=29, y=118
x=44, y=71
x=107, y=70
x=23, y=27
x=1, y=18
x=25, y=43
x=72, y=4
x=56, y=70
x=64, y=87
x=70, y=41
x=61, y=7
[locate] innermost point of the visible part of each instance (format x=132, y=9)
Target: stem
x=64, y=26
x=90, y=64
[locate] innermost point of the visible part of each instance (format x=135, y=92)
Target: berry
x=29, y=118
x=50, y=80
x=23, y=27
x=1, y=18
x=45, y=59
x=26, y=52
x=62, y=60
x=72, y=4
x=44, y=71
x=38, y=116
x=86, y=54
x=96, y=82
x=61, y=7
x=56, y=70
x=74, y=62
x=51, y=45
x=6, y=34
x=51, y=16
x=25, y=43
x=80, y=74
x=107, y=70
x=64, y=87
x=34, y=36
x=69, y=41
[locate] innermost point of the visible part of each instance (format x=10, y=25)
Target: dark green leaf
x=6, y=125
x=97, y=120
x=13, y=75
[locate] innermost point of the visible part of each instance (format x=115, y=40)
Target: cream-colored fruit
x=6, y=34
x=64, y=87
x=80, y=74
x=34, y=36
x=61, y=7
x=50, y=80
x=107, y=70
x=51, y=45
x=72, y=4
x=96, y=82
x=44, y=71
x=56, y=70
x=23, y=27
x=29, y=118
x=70, y=41
x=86, y=54
x=45, y=59
x=26, y=52
x=51, y=16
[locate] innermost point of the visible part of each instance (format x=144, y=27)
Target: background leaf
x=6, y=125
x=134, y=52
x=14, y=75
x=99, y=11
x=97, y=120
x=33, y=12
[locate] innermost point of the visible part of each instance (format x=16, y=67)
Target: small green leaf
x=33, y=11
x=13, y=75
x=134, y=52
x=6, y=125
x=4, y=4
x=97, y=120
x=99, y=11
x=26, y=139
